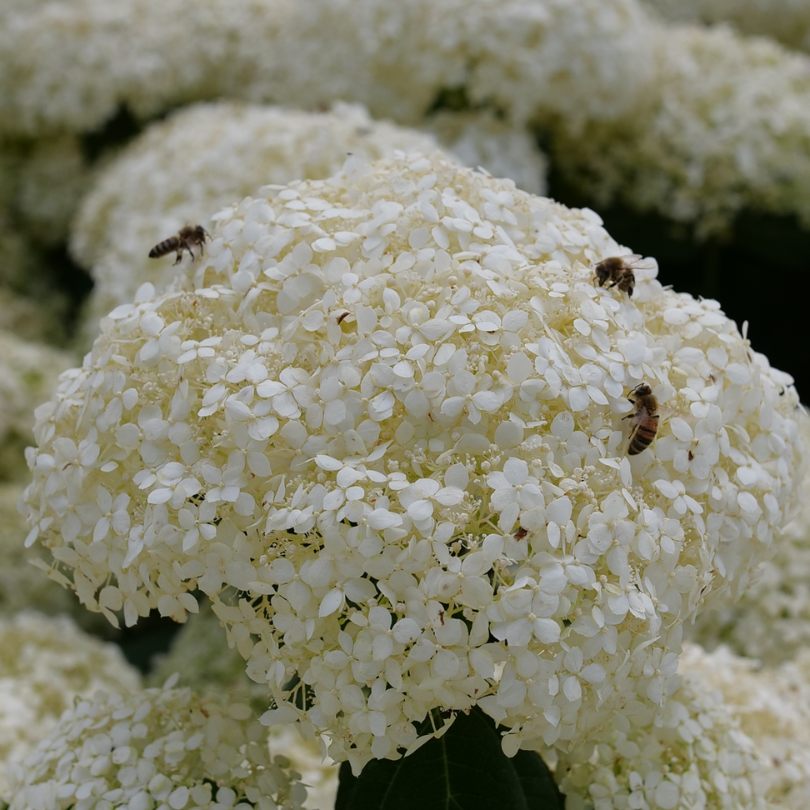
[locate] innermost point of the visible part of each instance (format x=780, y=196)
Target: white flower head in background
x=387, y=411
x=772, y=706
x=691, y=753
x=200, y=655
x=481, y=140
x=723, y=128
x=69, y=67
x=785, y=20
x=156, y=748
x=45, y=663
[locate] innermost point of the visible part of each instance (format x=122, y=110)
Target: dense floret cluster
x=45, y=662
x=772, y=707
x=388, y=409
x=691, y=754
x=725, y=126
x=156, y=748
x=72, y=65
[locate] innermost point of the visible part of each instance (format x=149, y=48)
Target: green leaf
x=465, y=769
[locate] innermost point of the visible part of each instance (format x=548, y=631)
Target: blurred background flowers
x=685, y=125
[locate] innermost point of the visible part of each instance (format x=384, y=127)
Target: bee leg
x=179, y=258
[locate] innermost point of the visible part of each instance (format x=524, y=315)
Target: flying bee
x=619, y=271
x=644, y=424
x=187, y=238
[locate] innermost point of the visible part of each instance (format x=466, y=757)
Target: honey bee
x=619, y=271
x=187, y=238
x=645, y=419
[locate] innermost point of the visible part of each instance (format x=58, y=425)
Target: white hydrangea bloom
x=156, y=748
x=44, y=663
x=71, y=65
x=771, y=620
x=480, y=140
x=200, y=159
x=28, y=375
x=527, y=58
x=388, y=409
x=772, y=706
x=725, y=126
x=690, y=754
x=785, y=20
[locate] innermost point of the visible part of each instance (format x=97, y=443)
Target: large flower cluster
x=28, y=375
x=202, y=158
x=44, y=664
x=388, y=409
x=156, y=748
x=72, y=65
x=691, y=754
x=772, y=706
x=785, y=20
x=725, y=126
x=771, y=620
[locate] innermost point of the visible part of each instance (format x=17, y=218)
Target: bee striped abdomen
x=643, y=435
x=166, y=246
x=644, y=424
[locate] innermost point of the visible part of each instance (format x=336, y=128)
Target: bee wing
x=636, y=262
x=665, y=413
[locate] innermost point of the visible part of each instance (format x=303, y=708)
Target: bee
x=187, y=238
x=645, y=419
x=619, y=271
